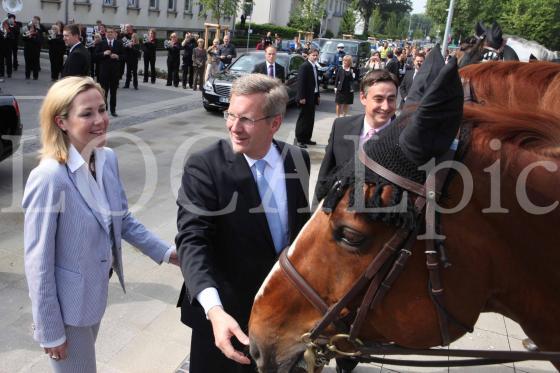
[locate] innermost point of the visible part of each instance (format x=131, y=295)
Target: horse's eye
x=350, y=237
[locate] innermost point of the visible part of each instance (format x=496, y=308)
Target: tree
x=391, y=27
x=219, y=8
x=367, y=7
x=348, y=22
x=308, y=15
x=537, y=20
x=376, y=22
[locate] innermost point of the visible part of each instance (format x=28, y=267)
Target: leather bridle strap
x=299, y=282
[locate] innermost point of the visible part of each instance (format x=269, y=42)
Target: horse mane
x=536, y=131
x=514, y=84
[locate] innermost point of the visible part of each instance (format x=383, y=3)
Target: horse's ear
x=437, y=119
x=494, y=37
x=479, y=30
x=425, y=76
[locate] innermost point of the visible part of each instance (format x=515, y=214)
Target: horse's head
x=494, y=242
x=360, y=214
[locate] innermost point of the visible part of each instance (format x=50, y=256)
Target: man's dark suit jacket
x=262, y=69
x=339, y=150
x=306, y=82
x=231, y=250
x=78, y=62
x=110, y=69
x=406, y=83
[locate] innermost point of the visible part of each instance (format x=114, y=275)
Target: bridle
x=377, y=279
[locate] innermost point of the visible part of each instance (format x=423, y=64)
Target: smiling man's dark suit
x=340, y=150
x=78, y=62
x=262, y=68
x=230, y=249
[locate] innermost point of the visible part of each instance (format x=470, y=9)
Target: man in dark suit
x=409, y=76
x=308, y=98
x=378, y=94
x=239, y=204
x=109, y=53
x=270, y=67
x=78, y=61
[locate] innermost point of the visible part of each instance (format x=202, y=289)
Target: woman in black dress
x=56, y=50
x=132, y=54
x=173, y=60
x=344, y=86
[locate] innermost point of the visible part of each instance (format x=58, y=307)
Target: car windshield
x=246, y=63
x=349, y=48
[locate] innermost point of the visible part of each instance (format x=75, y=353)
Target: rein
x=376, y=281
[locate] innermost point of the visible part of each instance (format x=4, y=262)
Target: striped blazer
x=68, y=249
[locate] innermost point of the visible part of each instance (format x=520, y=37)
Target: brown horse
x=502, y=242
x=524, y=86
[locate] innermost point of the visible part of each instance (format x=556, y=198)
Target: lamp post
x=447, y=27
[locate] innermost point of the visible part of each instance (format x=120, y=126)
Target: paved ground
x=141, y=333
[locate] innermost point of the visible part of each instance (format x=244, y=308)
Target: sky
x=418, y=6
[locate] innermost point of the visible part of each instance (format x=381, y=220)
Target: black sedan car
x=10, y=125
x=216, y=91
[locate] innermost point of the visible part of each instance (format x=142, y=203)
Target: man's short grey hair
x=273, y=89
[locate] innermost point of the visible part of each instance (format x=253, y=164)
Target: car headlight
x=208, y=87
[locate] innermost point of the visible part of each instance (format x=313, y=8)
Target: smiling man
x=240, y=204
x=378, y=94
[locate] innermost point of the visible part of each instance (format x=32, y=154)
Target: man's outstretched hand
x=224, y=327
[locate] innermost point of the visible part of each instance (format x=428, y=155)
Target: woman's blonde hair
x=58, y=102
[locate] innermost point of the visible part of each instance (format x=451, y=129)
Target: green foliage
x=328, y=34
x=367, y=7
x=391, y=28
x=376, y=23
x=348, y=22
x=308, y=15
x=262, y=29
x=219, y=8
x=537, y=20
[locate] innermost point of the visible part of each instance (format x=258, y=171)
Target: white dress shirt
x=276, y=178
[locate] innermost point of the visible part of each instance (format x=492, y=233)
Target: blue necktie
x=270, y=208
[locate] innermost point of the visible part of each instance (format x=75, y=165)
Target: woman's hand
x=58, y=352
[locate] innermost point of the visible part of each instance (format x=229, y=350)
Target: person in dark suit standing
x=149, y=48
x=32, y=41
x=57, y=48
x=378, y=95
x=308, y=98
x=270, y=67
x=109, y=53
x=409, y=76
x=173, y=60
x=78, y=61
x=132, y=55
x=188, y=44
x=12, y=37
x=240, y=204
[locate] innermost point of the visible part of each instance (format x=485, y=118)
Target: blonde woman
x=76, y=214
x=213, y=59
x=199, y=64
x=344, y=86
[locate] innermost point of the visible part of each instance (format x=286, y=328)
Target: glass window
x=154, y=4
x=171, y=4
x=188, y=6
x=108, y=2
x=133, y=3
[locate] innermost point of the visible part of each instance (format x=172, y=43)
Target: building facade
x=163, y=15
